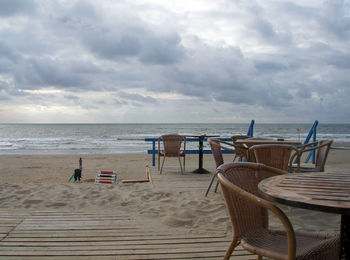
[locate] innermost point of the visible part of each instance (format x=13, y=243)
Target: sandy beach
x=30, y=183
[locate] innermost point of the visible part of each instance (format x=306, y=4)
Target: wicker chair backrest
x=245, y=215
x=273, y=155
x=172, y=144
x=216, y=150
x=322, y=154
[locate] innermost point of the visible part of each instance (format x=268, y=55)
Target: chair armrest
x=313, y=148
x=228, y=149
x=226, y=143
x=219, y=143
x=297, y=156
x=302, y=146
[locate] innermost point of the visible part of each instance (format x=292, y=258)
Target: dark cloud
x=162, y=49
x=127, y=36
x=263, y=67
x=335, y=19
x=7, y=52
x=46, y=72
x=137, y=97
x=71, y=97
x=120, y=103
x=13, y=7
x=341, y=61
x=112, y=45
x=134, y=41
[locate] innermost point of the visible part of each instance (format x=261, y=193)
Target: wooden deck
x=85, y=235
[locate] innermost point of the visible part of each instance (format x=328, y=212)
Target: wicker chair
x=322, y=150
x=249, y=218
x=241, y=151
x=216, y=145
x=273, y=155
x=172, y=148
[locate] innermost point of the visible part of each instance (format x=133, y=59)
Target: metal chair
x=249, y=217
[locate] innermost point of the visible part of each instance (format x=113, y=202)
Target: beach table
x=328, y=192
x=201, y=138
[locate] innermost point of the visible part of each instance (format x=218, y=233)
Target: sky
x=175, y=61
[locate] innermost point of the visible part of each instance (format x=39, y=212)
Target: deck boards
x=59, y=235
x=85, y=235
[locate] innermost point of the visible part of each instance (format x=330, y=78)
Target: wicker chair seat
x=162, y=153
x=274, y=244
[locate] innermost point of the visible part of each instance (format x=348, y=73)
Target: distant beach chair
x=172, y=148
x=216, y=145
x=249, y=218
x=273, y=155
x=322, y=149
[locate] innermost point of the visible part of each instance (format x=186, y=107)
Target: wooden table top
x=329, y=192
x=251, y=142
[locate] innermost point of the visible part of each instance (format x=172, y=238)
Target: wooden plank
x=117, y=246
x=116, y=252
x=10, y=238
x=119, y=242
x=4, y=230
x=238, y=255
x=151, y=234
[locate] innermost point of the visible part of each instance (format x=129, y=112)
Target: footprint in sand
x=176, y=221
x=30, y=202
x=23, y=191
x=56, y=205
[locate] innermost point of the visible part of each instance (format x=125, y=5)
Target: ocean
x=129, y=138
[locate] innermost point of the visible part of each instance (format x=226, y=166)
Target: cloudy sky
x=147, y=61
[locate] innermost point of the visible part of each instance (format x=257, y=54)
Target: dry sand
x=40, y=182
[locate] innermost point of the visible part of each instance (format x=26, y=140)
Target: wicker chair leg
x=232, y=246
x=158, y=162
x=182, y=172
x=184, y=164
x=211, y=182
x=216, y=187
x=161, y=169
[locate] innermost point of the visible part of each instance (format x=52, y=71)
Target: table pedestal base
x=200, y=171
x=345, y=237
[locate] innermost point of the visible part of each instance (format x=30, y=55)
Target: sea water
x=129, y=138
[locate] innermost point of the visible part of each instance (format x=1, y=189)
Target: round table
x=328, y=192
